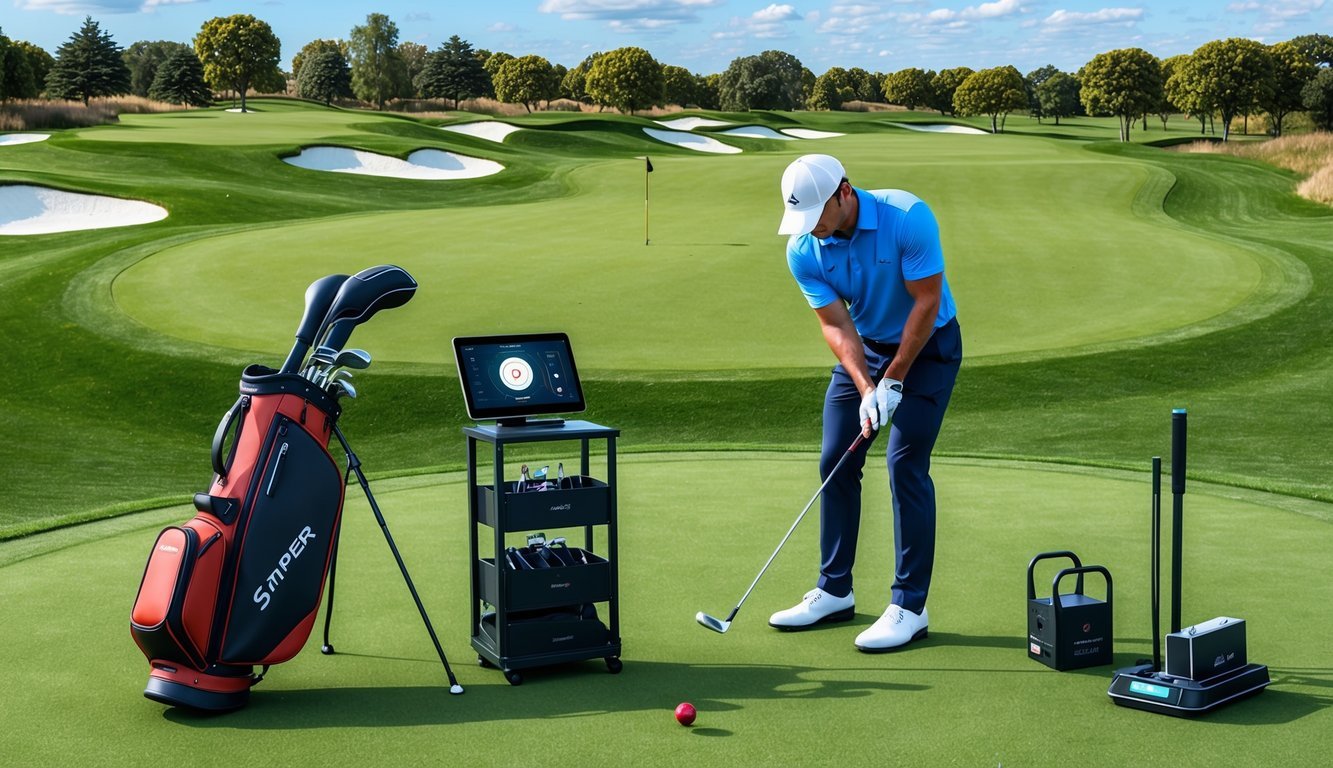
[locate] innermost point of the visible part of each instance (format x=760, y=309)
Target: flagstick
x=645, y=201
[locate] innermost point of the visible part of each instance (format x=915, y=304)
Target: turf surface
x=574, y=261
x=1165, y=280
x=968, y=695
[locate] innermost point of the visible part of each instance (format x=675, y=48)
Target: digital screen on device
x=514, y=376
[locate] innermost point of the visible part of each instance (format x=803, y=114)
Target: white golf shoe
x=896, y=628
x=817, y=607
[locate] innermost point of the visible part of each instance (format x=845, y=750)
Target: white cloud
x=768, y=23
x=629, y=15
x=1063, y=18
x=775, y=13
x=501, y=26
x=95, y=7
x=996, y=10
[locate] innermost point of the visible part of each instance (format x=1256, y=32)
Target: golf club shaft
x=860, y=438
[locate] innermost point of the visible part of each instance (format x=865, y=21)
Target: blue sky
x=705, y=35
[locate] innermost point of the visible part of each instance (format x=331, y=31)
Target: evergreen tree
x=453, y=71
x=180, y=80
x=143, y=58
x=88, y=65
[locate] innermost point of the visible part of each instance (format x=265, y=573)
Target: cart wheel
x=514, y=677
x=613, y=665
x=483, y=663
x=327, y=650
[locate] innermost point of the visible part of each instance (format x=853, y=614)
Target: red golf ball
x=685, y=713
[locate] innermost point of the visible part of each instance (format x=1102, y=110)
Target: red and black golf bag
x=239, y=585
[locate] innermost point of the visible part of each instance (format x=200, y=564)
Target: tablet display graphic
x=515, y=376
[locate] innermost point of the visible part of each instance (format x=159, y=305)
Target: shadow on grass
x=569, y=691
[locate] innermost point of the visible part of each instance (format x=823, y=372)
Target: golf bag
x=239, y=585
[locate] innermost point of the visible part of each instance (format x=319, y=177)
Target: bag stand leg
x=327, y=647
x=354, y=466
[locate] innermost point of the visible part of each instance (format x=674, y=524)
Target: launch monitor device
x=510, y=378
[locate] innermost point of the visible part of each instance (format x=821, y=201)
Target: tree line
x=1223, y=79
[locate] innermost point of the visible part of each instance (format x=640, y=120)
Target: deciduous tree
x=1318, y=99
x=944, y=85
x=994, y=92
x=626, y=78
x=378, y=72
x=525, y=80
x=238, y=52
x=909, y=87
x=1058, y=96
x=678, y=86
x=325, y=76
x=1292, y=69
x=1234, y=75
x=1126, y=83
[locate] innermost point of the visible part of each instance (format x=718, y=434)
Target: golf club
x=355, y=359
x=358, y=299
x=343, y=387
x=318, y=298
x=722, y=625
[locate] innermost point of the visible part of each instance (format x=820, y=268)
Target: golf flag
x=647, y=169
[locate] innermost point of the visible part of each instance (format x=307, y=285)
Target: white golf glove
x=878, y=406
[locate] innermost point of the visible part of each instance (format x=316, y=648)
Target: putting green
x=694, y=530
x=1102, y=266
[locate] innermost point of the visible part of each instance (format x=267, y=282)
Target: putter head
x=712, y=622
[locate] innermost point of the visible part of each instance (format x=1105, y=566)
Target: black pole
x=327, y=647
x=354, y=465
x=1156, y=563
x=1177, y=509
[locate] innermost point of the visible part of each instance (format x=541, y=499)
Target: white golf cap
x=807, y=185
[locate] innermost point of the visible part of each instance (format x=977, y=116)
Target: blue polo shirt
x=896, y=239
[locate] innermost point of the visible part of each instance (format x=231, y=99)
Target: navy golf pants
x=916, y=424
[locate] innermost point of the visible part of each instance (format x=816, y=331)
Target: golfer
x=870, y=264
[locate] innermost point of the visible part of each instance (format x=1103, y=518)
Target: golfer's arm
x=920, y=324
x=840, y=333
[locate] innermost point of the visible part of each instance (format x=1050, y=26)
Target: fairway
x=382, y=698
x=1032, y=279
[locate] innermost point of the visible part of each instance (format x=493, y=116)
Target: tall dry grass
x=46, y=114
x=1309, y=154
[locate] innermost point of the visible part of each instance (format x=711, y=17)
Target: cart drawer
x=565, y=508
x=546, y=587
x=540, y=637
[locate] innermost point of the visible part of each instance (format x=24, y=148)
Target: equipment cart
x=545, y=614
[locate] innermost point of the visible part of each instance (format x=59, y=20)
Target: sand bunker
x=29, y=210
x=940, y=128
x=422, y=164
x=491, y=130
x=10, y=139
x=690, y=123
x=809, y=133
x=757, y=132
x=693, y=141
